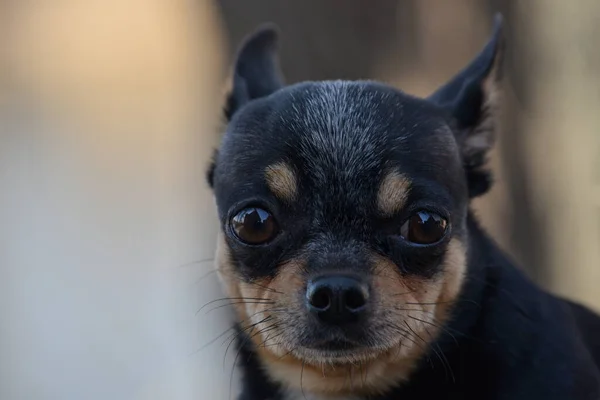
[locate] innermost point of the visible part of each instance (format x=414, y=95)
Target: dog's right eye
x=254, y=226
x=424, y=228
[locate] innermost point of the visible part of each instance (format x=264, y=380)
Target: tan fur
x=228, y=277
x=455, y=264
x=282, y=181
x=268, y=291
x=113, y=59
x=393, y=193
x=372, y=372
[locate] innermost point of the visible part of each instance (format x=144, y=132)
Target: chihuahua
x=351, y=256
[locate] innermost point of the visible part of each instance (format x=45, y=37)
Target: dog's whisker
x=408, y=335
x=271, y=290
x=454, y=301
x=196, y=262
x=244, y=338
x=212, y=341
x=403, y=294
x=239, y=302
x=301, y=380
x=437, y=351
x=264, y=342
x=205, y=275
x=438, y=326
x=256, y=299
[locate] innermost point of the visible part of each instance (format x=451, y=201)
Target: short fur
x=342, y=166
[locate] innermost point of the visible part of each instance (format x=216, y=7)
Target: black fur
x=507, y=338
x=256, y=71
x=464, y=97
x=210, y=171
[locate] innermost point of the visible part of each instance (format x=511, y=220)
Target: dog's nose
x=337, y=299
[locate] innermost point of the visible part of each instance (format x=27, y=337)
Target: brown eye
x=254, y=226
x=424, y=228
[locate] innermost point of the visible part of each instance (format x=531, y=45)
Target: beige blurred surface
x=564, y=141
x=107, y=126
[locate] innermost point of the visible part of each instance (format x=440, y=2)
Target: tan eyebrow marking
x=393, y=193
x=282, y=181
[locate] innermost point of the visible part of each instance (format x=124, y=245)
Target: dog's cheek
x=249, y=300
x=407, y=302
x=418, y=306
x=229, y=277
x=281, y=303
x=428, y=301
x=264, y=306
x=454, y=266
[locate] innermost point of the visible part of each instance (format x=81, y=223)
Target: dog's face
x=343, y=211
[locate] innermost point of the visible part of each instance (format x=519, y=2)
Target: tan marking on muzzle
x=258, y=302
x=282, y=181
x=455, y=268
x=393, y=192
x=364, y=374
x=416, y=307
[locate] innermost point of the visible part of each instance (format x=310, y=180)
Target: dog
x=352, y=258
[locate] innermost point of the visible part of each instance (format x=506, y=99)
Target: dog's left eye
x=254, y=226
x=424, y=227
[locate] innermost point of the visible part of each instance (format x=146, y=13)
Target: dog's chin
x=337, y=352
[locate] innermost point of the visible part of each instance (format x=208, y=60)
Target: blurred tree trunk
x=562, y=140
x=512, y=202
x=332, y=39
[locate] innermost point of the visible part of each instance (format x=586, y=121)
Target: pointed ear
x=472, y=99
x=256, y=70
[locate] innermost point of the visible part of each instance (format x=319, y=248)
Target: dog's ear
x=255, y=74
x=256, y=70
x=472, y=99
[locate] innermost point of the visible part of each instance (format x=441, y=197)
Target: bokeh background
x=110, y=109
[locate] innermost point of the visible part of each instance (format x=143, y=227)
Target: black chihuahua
x=347, y=245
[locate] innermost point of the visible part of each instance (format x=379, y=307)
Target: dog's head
x=343, y=210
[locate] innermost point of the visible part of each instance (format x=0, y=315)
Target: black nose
x=337, y=299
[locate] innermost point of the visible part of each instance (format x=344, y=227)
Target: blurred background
x=110, y=109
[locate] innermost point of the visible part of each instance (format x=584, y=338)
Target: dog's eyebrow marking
x=282, y=181
x=393, y=192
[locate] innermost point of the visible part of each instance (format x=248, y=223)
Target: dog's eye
x=424, y=228
x=254, y=226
